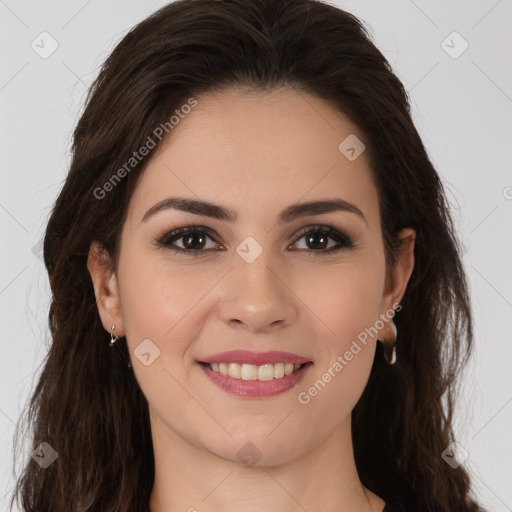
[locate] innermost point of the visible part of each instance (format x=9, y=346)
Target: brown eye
x=317, y=240
x=193, y=239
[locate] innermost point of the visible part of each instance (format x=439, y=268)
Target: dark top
x=394, y=507
x=399, y=506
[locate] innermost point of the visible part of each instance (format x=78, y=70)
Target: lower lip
x=255, y=388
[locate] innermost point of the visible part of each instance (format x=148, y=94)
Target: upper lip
x=241, y=356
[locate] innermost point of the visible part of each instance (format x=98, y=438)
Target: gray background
x=462, y=107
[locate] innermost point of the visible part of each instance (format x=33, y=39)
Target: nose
x=257, y=297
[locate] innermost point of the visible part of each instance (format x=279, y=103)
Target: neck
x=190, y=479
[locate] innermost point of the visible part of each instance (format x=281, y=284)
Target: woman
x=258, y=299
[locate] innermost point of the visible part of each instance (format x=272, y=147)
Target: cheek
x=169, y=305
x=161, y=305
x=345, y=356
x=158, y=298
x=345, y=300
x=348, y=306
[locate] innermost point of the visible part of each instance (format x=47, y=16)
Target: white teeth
x=253, y=372
x=278, y=370
x=235, y=370
x=249, y=372
x=265, y=372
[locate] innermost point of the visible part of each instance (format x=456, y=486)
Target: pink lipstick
x=255, y=374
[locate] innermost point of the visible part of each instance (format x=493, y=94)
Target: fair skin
x=256, y=155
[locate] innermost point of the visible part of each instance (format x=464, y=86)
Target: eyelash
x=165, y=241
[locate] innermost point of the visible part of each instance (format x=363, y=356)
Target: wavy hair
x=87, y=403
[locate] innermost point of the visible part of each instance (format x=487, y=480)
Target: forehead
x=258, y=152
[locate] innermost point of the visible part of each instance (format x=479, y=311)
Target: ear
x=106, y=288
x=401, y=272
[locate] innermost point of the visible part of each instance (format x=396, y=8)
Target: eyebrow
x=208, y=209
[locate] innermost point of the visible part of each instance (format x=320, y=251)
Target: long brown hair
x=87, y=404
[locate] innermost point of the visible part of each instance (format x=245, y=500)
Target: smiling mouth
x=255, y=374
x=246, y=381
x=264, y=372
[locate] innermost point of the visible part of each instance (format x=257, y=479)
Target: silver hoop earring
x=113, y=337
x=390, y=346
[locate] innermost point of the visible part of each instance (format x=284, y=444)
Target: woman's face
x=260, y=281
